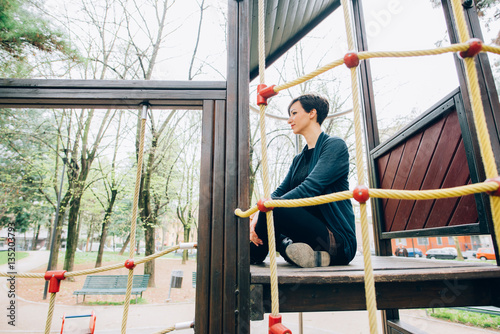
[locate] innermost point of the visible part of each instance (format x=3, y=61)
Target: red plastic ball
x=495, y=192
x=475, y=46
x=361, y=194
x=261, y=206
x=351, y=59
x=129, y=264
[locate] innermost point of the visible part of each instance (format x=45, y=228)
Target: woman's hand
x=253, y=236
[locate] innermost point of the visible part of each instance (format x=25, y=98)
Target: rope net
x=467, y=49
x=129, y=264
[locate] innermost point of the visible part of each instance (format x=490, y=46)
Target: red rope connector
x=264, y=92
x=54, y=277
x=129, y=264
x=361, y=194
x=494, y=192
x=351, y=59
x=276, y=327
x=261, y=206
x=475, y=46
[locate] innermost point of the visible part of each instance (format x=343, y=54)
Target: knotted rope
x=265, y=172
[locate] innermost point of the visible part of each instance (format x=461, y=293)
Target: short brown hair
x=312, y=101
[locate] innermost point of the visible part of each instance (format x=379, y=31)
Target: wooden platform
x=399, y=283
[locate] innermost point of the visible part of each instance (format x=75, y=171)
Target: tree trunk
x=460, y=256
x=57, y=238
x=104, y=232
x=149, y=267
x=148, y=223
x=148, y=216
x=72, y=240
x=78, y=228
x=35, y=237
x=89, y=238
x=124, y=245
x=187, y=231
x=49, y=233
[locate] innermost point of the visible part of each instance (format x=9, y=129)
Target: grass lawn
x=140, y=300
x=464, y=317
x=4, y=256
x=90, y=257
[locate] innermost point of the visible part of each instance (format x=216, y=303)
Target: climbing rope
x=476, y=188
x=106, y=268
x=180, y=325
x=64, y=274
x=362, y=55
x=166, y=330
x=50, y=313
x=56, y=276
x=478, y=113
x=467, y=49
x=135, y=206
x=371, y=301
x=265, y=172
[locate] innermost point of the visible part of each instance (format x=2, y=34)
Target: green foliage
x=22, y=27
x=484, y=4
x=140, y=300
x=464, y=317
x=90, y=257
x=22, y=167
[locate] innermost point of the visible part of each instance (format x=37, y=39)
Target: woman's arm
x=332, y=164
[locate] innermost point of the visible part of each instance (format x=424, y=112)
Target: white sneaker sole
x=304, y=256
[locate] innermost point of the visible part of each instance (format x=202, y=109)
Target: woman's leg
x=298, y=224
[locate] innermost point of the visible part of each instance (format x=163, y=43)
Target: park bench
x=112, y=285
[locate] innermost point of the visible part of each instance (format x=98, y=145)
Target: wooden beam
x=107, y=93
x=205, y=220
x=403, y=295
x=242, y=172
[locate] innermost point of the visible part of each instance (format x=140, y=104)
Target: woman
x=319, y=235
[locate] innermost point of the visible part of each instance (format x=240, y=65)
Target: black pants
x=299, y=225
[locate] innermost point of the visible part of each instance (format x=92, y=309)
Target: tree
x=24, y=30
x=112, y=188
x=186, y=204
x=23, y=172
x=147, y=54
x=79, y=172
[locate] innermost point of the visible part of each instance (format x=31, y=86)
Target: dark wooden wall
x=432, y=158
x=434, y=151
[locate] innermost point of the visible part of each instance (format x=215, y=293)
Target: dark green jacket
x=328, y=172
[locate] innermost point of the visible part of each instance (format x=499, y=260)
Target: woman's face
x=300, y=119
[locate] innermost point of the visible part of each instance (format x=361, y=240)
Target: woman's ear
x=313, y=113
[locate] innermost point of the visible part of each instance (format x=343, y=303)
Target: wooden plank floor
x=386, y=269
x=399, y=282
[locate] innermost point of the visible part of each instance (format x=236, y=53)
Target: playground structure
x=92, y=321
x=224, y=276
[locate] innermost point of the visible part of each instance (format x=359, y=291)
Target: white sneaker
x=304, y=256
